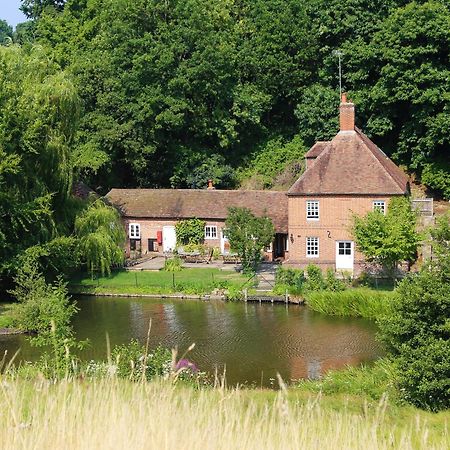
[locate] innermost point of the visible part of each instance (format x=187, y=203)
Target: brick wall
x=334, y=223
x=150, y=227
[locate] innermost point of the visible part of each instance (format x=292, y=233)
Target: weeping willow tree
x=101, y=237
x=39, y=111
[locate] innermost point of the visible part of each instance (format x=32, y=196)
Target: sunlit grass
x=116, y=414
x=189, y=280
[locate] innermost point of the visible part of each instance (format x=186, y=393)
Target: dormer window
x=312, y=209
x=134, y=231
x=379, y=205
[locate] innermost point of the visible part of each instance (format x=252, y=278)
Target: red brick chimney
x=346, y=114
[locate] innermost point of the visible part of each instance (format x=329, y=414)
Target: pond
x=251, y=341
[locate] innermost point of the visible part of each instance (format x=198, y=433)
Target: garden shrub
x=315, y=280
x=417, y=333
x=46, y=310
x=173, y=264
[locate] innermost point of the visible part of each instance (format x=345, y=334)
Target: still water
x=252, y=341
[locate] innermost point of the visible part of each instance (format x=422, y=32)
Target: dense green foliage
x=101, y=237
x=46, y=310
x=6, y=32
x=38, y=115
x=167, y=87
x=417, y=329
x=42, y=308
x=390, y=238
x=297, y=282
x=248, y=235
x=190, y=231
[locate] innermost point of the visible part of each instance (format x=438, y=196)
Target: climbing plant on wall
x=190, y=231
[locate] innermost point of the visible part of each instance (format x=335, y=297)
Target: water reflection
x=252, y=341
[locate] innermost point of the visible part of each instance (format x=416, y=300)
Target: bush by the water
x=417, y=333
x=132, y=361
x=296, y=282
x=361, y=302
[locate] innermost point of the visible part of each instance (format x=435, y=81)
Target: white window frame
x=312, y=247
x=312, y=210
x=134, y=230
x=211, y=232
x=379, y=205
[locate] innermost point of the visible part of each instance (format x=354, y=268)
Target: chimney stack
x=346, y=114
x=210, y=185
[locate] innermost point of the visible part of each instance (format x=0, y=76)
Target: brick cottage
x=345, y=176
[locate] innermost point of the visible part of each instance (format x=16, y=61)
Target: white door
x=169, y=238
x=344, y=255
x=224, y=244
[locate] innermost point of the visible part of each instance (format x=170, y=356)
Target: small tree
x=101, y=237
x=190, y=231
x=388, y=239
x=248, y=235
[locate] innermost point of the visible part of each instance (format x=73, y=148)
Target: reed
x=117, y=414
x=362, y=302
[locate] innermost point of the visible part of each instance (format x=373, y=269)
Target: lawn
x=188, y=281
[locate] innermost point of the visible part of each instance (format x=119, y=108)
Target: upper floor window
x=312, y=247
x=312, y=209
x=134, y=231
x=379, y=205
x=210, y=232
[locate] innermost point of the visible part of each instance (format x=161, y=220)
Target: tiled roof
x=351, y=164
x=201, y=203
x=317, y=149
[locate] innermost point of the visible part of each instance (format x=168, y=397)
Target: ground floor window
x=379, y=205
x=210, y=232
x=312, y=247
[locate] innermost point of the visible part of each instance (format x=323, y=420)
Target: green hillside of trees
x=174, y=92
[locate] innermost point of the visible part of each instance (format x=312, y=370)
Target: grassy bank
x=187, y=281
x=113, y=413
x=358, y=302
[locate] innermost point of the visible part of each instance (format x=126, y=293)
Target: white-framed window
x=134, y=231
x=210, y=232
x=312, y=247
x=312, y=209
x=379, y=205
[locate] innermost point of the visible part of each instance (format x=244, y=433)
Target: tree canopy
x=248, y=235
x=390, y=238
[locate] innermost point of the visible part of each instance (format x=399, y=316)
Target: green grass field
x=188, y=281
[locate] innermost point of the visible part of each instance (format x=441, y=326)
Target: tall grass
x=362, y=302
x=118, y=414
